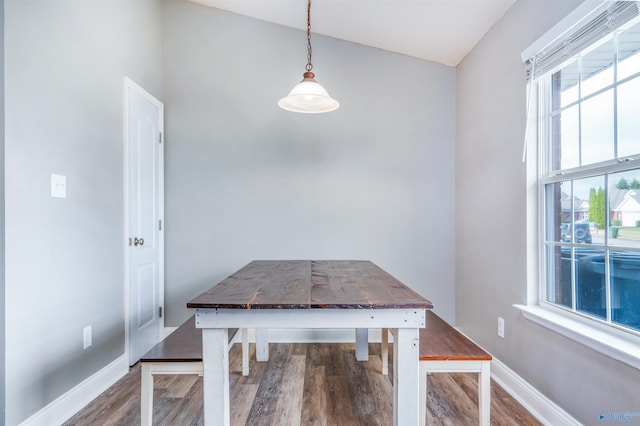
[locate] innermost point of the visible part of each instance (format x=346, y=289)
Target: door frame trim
x=130, y=85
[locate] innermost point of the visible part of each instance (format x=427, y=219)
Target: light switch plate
x=501, y=327
x=58, y=186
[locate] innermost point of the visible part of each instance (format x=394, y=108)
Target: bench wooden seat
x=444, y=349
x=179, y=353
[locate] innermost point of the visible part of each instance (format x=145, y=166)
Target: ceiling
x=442, y=31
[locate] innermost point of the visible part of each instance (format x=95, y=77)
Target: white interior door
x=145, y=188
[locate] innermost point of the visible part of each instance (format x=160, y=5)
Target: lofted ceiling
x=442, y=31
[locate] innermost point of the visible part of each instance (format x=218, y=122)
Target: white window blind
x=604, y=19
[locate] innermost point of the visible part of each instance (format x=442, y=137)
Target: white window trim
x=606, y=339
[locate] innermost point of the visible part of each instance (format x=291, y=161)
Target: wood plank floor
x=302, y=384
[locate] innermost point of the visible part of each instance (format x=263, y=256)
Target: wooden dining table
x=310, y=294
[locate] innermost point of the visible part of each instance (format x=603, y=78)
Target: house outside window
x=589, y=170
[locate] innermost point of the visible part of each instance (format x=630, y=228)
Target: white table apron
x=403, y=322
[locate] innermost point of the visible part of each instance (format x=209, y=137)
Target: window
x=589, y=169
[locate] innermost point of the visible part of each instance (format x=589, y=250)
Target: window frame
x=616, y=341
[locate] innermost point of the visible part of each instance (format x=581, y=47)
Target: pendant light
x=308, y=96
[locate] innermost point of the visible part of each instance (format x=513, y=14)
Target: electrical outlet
x=501, y=327
x=58, y=186
x=86, y=335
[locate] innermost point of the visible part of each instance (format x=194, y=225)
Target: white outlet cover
x=501, y=327
x=58, y=186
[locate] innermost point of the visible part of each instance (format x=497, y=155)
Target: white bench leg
x=423, y=394
x=484, y=394
x=362, y=344
x=245, y=352
x=262, y=344
x=148, y=373
x=146, y=395
x=384, y=351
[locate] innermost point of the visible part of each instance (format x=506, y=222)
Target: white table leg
x=384, y=351
x=215, y=359
x=423, y=393
x=484, y=394
x=262, y=344
x=406, y=375
x=245, y=352
x=146, y=395
x=362, y=344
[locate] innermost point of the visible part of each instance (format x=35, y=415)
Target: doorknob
x=138, y=241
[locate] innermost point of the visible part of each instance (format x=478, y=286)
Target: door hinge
x=160, y=225
x=160, y=312
x=160, y=137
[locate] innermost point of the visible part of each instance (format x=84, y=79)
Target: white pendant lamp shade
x=308, y=97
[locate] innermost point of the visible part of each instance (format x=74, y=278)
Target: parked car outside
x=582, y=233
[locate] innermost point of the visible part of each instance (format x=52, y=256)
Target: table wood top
x=310, y=284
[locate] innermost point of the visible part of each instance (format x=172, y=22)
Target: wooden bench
x=178, y=353
x=444, y=349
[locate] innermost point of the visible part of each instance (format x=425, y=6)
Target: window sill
x=608, y=342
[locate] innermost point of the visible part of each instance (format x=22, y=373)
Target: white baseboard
x=65, y=406
x=541, y=407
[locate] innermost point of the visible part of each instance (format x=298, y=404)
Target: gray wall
x=65, y=64
x=2, y=309
x=491, y=225
x=246, y=180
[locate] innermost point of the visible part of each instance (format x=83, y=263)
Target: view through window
x=590, y=128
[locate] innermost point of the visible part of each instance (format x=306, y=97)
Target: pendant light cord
x=309, y=66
